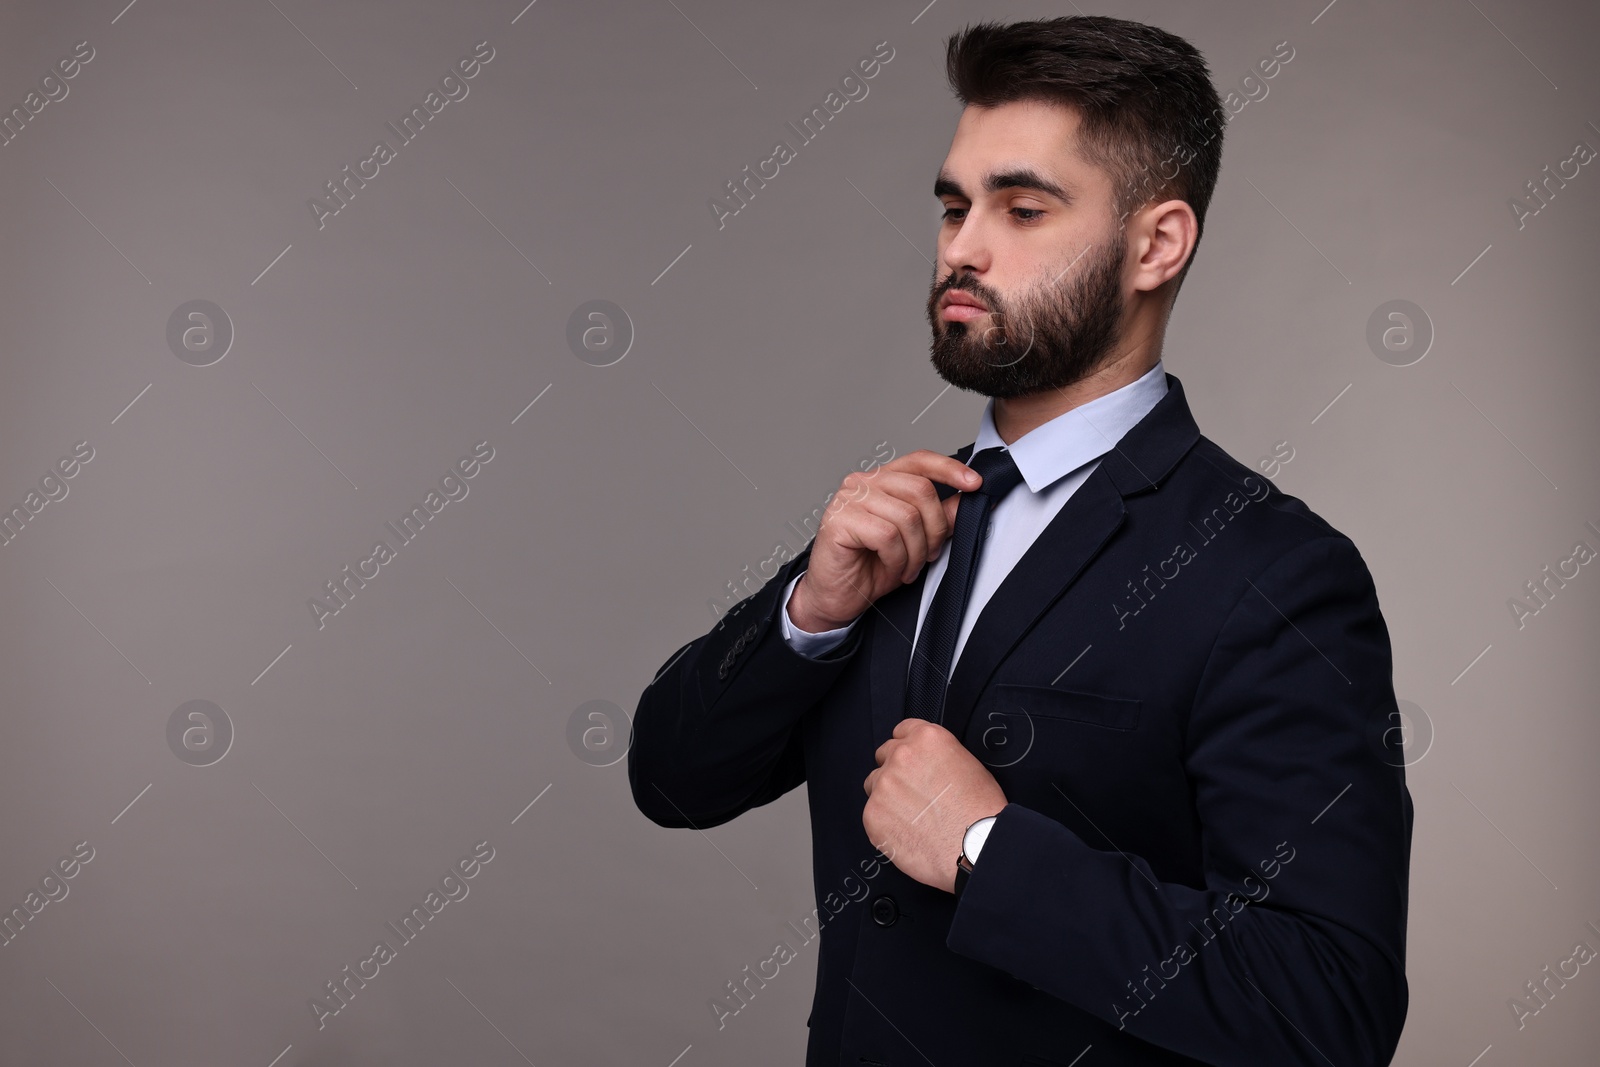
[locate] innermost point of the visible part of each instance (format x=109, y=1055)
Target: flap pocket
x=1047, y=702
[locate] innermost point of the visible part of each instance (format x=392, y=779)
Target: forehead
x=1034, y=135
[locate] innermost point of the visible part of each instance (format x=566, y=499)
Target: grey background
x=770, y=358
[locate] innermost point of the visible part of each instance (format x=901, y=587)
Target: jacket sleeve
x=1294, y=952
x=715, y=734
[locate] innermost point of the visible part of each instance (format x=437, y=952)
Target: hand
x=926, y=790
x=878, y=531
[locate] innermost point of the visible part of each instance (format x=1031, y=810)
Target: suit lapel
x=1084, y=524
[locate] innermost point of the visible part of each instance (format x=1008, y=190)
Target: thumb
x=950, y=504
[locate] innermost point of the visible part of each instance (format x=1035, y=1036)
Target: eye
x=1023, y=214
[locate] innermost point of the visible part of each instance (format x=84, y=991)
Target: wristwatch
x=971, y=844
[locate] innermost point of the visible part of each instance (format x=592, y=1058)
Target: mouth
x=957, y=306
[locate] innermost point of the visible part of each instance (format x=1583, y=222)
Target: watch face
x=972, y=841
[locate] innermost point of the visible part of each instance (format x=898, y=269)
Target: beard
x=1046, y=338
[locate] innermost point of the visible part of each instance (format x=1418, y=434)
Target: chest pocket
x=1040, y=727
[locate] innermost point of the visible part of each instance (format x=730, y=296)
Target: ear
x=1170, y=233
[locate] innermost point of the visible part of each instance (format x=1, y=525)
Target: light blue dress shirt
x=1055, y=459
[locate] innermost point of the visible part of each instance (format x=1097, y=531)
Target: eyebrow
x=1011, y=178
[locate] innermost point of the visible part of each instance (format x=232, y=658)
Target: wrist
x=801, y=614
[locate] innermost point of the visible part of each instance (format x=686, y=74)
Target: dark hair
x=1149, y=113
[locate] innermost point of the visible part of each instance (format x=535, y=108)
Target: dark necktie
x=936, y=643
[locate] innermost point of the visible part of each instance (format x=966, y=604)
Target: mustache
x=965, y=285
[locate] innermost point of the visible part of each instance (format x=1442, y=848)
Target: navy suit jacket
x=1184, y=689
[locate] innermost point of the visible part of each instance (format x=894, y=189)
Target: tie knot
x=998, y=471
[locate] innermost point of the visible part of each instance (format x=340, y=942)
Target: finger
x=921, y=493
x=943, y=469
x=864, y=529
x=950, y=504
x=907, y=519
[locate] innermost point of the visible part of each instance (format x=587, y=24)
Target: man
x=1130, y=795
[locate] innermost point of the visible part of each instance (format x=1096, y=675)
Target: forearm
x=1229, y=979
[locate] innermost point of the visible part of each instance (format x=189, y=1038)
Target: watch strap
x=965, y=861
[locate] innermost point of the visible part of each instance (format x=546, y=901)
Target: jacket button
x=884, y=910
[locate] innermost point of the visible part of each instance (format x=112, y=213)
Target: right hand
x=876, y=534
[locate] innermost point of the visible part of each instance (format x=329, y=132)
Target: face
x=1030, y=234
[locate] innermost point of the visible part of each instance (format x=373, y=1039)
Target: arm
x=714, y=735
x=1294, y=953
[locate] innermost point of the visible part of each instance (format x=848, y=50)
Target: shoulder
x=1213, y=491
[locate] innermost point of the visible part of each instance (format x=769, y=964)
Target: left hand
x=926, y=790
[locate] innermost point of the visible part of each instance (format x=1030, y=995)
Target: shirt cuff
x=804, y=641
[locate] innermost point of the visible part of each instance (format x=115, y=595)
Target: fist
x=926, y=790
x=878, y=531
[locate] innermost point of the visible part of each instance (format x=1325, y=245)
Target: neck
x=1018, y=415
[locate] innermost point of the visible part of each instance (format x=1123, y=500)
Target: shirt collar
x=1049, y=452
